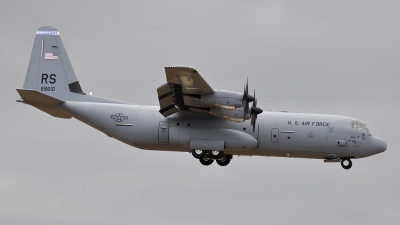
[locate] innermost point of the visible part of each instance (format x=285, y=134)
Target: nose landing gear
x=346, y=163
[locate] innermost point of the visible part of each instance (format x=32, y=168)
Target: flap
x=166, y=99
x=183, y=90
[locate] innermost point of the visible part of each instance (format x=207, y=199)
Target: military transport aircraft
x=210, y=123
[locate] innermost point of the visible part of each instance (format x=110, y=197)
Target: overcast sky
x=338, y=58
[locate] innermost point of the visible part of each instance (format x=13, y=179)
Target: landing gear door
x=274, y=135
x=163, y=132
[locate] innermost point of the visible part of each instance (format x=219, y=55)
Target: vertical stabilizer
x=50, y=70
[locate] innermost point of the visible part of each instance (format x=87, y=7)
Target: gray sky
x=339, y=58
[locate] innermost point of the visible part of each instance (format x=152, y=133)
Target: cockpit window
x=359, y=125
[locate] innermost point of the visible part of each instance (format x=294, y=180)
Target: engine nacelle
x=228, y=100
x=236, y=115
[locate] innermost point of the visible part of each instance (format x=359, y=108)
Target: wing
x=187, y=90
x=189, y=79
x=183, y=90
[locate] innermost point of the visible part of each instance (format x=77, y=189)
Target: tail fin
x=50, y=70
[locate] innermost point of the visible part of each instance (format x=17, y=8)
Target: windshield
x=359, y=125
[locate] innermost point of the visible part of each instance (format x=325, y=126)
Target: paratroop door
x=274, y=135
x=163, y=132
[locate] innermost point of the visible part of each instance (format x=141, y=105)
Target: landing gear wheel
x=224, y=160
x=216, y=154
x=198, y=153
x=346, y=163
x=206, y=161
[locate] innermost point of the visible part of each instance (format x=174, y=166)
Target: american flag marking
x=50, y=55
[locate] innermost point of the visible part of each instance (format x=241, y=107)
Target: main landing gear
x=208, y=157
x=346, y=163
x=206, y=161
x=198, y=154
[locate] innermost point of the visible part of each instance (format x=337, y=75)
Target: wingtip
x=182, y=67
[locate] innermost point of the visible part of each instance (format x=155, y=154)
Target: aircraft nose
x=377, y=145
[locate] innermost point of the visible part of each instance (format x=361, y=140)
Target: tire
x=198, y=153
x=346, y=163
x=206, y=161
x=225, y=160
x=216, y=154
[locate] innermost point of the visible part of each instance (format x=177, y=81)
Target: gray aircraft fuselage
x=277, y=134
x=192, y=117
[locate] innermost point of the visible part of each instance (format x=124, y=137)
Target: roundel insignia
x=119, y=117
x=311, y=134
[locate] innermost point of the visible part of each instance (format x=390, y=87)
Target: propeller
x=246, y=99
x=254, y=112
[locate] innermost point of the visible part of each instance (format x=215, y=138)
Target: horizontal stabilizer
x=43, y=102
x=33, y=96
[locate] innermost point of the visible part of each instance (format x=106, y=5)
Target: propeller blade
x=254, y=124
x=246, y=109
x=254, y=112
x=247, y=86
x=246, y=100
